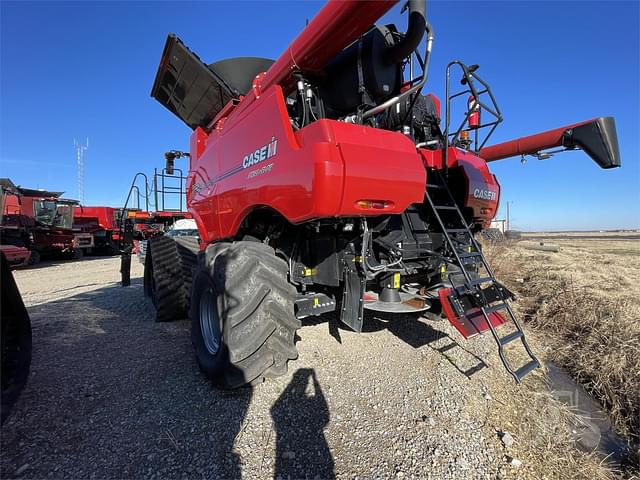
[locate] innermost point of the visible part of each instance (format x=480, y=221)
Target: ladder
x=470, y=299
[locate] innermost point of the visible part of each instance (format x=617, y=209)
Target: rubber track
x=172, y=263
x=187, y=248
x=258, y=308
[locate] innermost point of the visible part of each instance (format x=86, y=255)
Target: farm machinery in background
x=152, y=210
x=17, y=253
x=326, y=181
x=99, y=227
x=38, y=221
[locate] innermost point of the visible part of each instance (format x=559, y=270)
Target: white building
x=499, y=224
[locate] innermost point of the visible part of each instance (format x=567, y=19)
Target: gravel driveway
x=112, y=394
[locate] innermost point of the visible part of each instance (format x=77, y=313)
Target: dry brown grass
x=541, y=426
x=585, y=299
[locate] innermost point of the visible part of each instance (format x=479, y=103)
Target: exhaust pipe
x=415, y=31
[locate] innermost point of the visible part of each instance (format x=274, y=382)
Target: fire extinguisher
x=473, y=107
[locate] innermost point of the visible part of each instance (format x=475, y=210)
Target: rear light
x=374, y=204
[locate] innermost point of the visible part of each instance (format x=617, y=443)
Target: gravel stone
x=507, y=439
x=514, y=462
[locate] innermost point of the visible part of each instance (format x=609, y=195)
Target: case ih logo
x=485, y=194
x=261, y=154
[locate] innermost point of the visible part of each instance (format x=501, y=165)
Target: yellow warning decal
x=443, y=271
x=316, y=302
x=396, y=280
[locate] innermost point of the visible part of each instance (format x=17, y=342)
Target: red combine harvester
x=325, y=181
x=166, y=196
x=103, y=226
x=155, y=207
x=39, y=221
x=16, y=254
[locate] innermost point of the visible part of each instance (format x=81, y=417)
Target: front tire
x=242, y=314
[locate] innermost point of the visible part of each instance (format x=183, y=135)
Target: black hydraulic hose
x=415, y=31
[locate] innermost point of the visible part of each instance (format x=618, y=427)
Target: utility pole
x=80, y=149
x=508, y=221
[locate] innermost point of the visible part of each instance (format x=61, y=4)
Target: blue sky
x=71, y=70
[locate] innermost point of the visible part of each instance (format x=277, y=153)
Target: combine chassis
x=325, y=181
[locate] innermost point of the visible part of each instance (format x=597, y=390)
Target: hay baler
x=326, y=181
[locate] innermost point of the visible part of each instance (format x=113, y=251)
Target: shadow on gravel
x=56, y=261
x=300, y=416
x=112, y=394
x=414, y=331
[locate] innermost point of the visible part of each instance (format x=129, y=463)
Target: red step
x=472, y=324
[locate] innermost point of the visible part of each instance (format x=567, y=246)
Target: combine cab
x=326, y=181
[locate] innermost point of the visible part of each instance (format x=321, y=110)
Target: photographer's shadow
x=300, y=416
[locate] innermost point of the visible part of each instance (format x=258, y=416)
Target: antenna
x=80, y=149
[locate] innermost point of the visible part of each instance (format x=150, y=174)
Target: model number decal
x=485, y=194
x=260, y=171
x=261, y=154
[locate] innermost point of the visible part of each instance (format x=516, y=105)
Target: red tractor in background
x=38, y=220
x=326, y=181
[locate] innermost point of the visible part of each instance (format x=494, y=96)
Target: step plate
x=466, y=328
x=409, y=304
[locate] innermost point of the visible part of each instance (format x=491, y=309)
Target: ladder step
x=511, y=337
x=527, y=369
x=469, y=254
x=445, y=207
x=495, y=308
x=433, y=185
x=479, y=281
x=457, y=230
